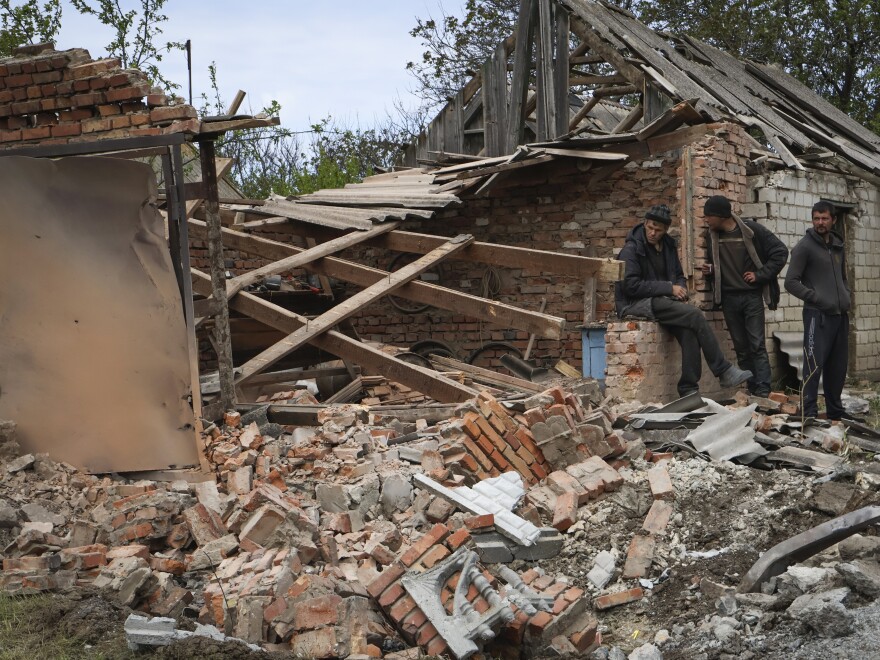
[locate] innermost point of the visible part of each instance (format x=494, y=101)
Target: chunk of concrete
x=332, y=498
x=859, y=547
x=646, y=652
x=21, y=463
x=828, y=619
x=603, y=569
x=396, y=494
x=801, y=603
x=862, y=576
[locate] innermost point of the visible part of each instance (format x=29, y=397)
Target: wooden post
x=589, y=300
x=222, y=338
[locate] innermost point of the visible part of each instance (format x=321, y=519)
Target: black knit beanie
x=717, y=205
x=659, y=213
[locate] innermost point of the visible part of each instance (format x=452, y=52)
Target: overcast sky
x=345, y=58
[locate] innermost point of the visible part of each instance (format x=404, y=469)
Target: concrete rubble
x=491, y=532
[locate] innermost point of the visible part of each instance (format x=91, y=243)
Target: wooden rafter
x=371, y=359
x=490, y=311
x=308, y=256
x=350, y=307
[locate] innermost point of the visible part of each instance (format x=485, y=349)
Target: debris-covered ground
x=554, y=524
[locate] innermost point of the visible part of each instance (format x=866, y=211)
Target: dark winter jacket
x=817, y=274
x=765, y=250
x=639, y=280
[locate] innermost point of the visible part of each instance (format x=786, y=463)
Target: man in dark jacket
x=654, y=287
x=817, y=275
x=744, y=260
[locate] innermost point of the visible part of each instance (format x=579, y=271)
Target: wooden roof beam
x=489, y=311
x=607, y=52
x=370, y=359
x=349, y=307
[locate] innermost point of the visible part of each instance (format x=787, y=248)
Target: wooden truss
x=578, y=68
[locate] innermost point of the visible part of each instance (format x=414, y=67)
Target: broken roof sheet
x=651, y=69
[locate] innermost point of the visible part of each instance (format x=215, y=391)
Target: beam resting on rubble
x=370, y=359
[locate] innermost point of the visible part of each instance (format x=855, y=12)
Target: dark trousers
x=826, y=354
x=691, y=329
x=744, y=315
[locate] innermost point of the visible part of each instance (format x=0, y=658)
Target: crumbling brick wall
x=564, y=207
x=55, y=97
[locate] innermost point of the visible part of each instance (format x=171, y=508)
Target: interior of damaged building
x=401, y=419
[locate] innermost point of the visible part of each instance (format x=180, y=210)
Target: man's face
x=823, y=221
x=655, y=231
x=714, y=222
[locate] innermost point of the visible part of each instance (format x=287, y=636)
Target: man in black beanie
x=654, y=287
x=743, y=262
x=817, y=275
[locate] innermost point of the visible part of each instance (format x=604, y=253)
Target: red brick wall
x=554, y=207
x=55, y=97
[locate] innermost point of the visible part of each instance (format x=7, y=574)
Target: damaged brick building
x=688, y=121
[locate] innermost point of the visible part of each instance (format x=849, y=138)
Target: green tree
x=277, y=160
x=456, y=47
x=137, y=34
x=28, y=22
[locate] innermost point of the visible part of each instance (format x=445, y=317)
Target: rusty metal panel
x=93, y=346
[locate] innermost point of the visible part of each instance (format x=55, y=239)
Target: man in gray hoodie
x=817, y=275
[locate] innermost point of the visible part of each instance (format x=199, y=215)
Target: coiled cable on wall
x=490, y=283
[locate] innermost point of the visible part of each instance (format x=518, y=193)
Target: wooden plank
x=209, y=129
x=630, y=120
x=371, y=359
x=488, y=374
x=312, y=254
x=508, y=256
x=546, y=84
x=222, y=336
x=293, y=375
x=687, y=228
x=508, y=165
x=581, y=153
x=349, y=307
x=594, y=79
x=491, y=144
x=522, y=66
x=532, y=337
x=561, y=71
x=490, y=311
x=326, y=287
x=583, y=112
x=589, y=300
x=607, y=51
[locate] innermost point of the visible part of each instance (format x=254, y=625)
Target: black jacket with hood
x=639, y=280
x=817, y=274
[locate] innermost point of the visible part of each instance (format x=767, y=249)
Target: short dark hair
x=822, y=206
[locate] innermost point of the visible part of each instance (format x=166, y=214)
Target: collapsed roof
x=549, y=97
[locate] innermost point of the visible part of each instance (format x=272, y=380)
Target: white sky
x=345, y=58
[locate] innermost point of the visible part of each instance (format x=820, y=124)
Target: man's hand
x=707, y=269
x=679, y=292
x=749, y=277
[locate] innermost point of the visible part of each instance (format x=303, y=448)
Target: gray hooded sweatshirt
x=817, y=274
